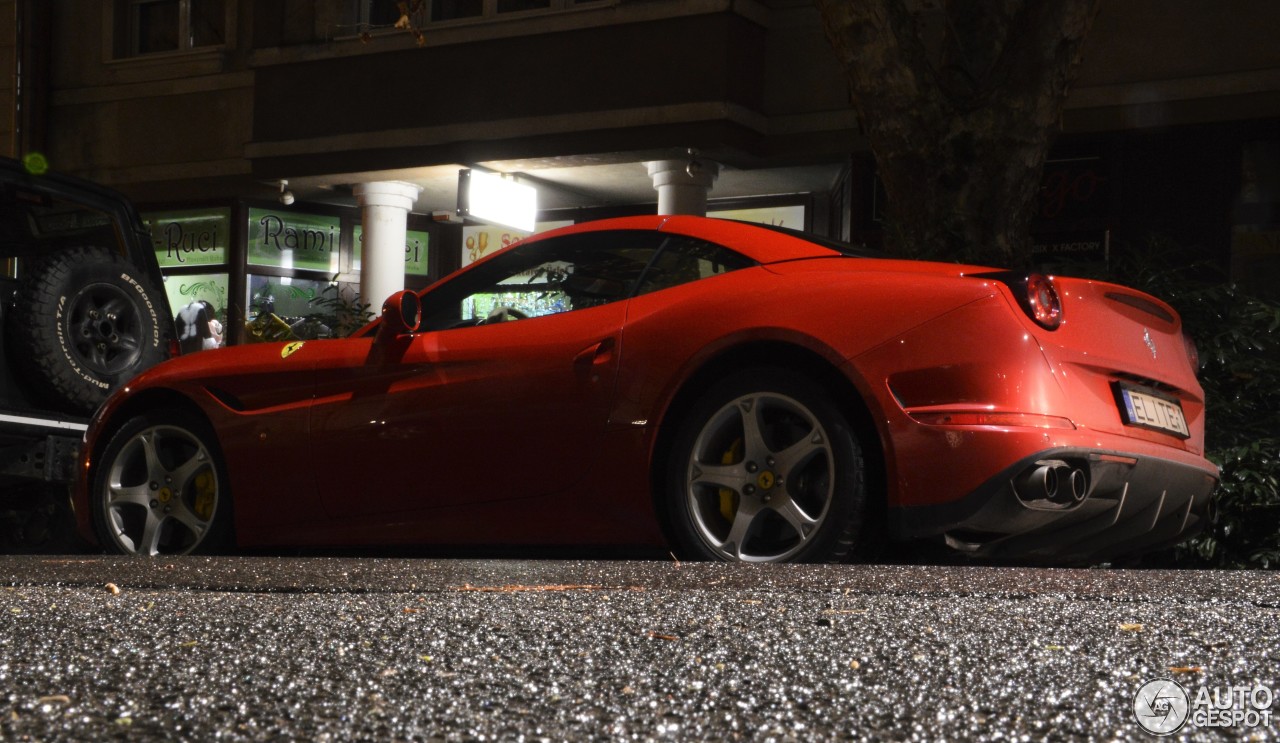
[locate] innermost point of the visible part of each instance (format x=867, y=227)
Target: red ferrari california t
x=732, y=391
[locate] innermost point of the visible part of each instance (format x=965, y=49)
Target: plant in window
x=338, y=313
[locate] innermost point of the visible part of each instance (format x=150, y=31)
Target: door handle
x=596, y=353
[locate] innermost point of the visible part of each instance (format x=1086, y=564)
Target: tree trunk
x=960, y=102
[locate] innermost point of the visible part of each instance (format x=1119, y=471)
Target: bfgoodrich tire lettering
x=160, y=488
x=765, y=468
x=87, y=321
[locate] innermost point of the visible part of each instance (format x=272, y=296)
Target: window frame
x=126, y=38
x=442, y=305
x=361, y=11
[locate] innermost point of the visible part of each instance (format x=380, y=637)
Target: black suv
x=81, y=312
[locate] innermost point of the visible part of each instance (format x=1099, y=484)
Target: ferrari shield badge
x=290, y=348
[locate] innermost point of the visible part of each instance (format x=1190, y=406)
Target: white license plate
x=1152, y=411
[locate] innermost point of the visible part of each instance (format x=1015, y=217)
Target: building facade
x=212, y=114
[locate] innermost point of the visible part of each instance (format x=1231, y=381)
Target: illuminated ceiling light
x=491, y=197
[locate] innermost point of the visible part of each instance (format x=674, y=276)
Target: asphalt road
x=261, y=648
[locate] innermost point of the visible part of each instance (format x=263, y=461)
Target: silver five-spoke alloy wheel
x=160, y=491
x=760, y=478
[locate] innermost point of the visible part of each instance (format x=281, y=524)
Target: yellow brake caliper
x=728, y=498
x=205, y=496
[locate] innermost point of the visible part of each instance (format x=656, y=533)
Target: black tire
x=793, y=492
x=161, y=488
x=87, y=320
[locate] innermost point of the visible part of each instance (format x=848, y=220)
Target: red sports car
x=734, y=391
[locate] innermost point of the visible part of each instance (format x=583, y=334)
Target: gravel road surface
x=336, y=649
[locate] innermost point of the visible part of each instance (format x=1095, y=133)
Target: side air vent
x=226, y=398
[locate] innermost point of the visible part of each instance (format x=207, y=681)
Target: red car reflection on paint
x=733, y=391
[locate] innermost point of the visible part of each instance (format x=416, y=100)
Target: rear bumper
x=1129, y=504
x=35, y=446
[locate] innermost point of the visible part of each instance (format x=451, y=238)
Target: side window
x=684, y=259
x=544, y=277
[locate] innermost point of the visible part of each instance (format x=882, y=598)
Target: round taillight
x=1042, y=301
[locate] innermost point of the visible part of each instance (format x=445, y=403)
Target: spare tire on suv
x=86, y=320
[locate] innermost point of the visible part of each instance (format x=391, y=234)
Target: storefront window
x=415, y=251
x=479, y=241
x=190, y=293
x=284, y=309
x=196, y=237
x=285, y=239
x=779, y=216
x=1070, y=231
x=199, y=287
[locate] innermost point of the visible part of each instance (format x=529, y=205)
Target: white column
x=683, y=184
x=384, y=210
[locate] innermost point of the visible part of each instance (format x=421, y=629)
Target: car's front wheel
x=160, y=488
x=766, y=468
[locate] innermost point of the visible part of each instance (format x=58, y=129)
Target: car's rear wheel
x=160, y=488
x=765, y=468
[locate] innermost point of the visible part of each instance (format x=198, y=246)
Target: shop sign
x=479, y=241
x=1073, y=192
x=415, y=251
x=1058, y=248
x=190, y=238
x=292, y=240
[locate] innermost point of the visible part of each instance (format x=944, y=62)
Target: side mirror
x=401, y=314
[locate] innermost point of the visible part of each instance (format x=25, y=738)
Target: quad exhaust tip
x=1055, y=481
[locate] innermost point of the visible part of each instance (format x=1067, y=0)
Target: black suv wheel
x=86, y=320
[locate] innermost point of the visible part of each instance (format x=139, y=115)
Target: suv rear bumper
x=39, y=448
